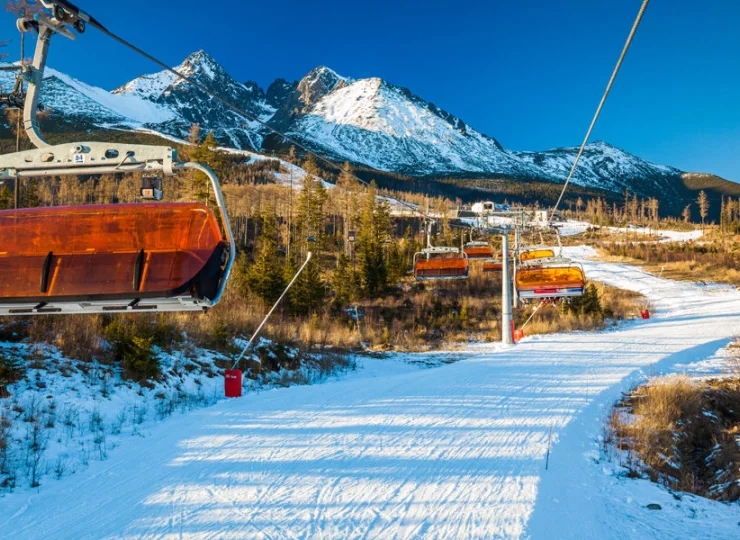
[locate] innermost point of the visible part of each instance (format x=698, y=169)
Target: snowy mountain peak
x=199, y=66
x=187, y=102
x=387, y=127
x=320, y=82
x=200, y=62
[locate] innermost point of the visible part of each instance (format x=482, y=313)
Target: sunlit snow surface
x=400, y=451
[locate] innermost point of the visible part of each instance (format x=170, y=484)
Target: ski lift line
x=274, y=307
x=71, y=8
x=601, y=103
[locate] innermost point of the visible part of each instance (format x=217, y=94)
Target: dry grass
x=419, y=317
x=715, y=257
x=683, y=434
x=616, y=304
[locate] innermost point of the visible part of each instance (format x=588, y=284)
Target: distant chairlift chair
x=478, y=250
x=440, y=263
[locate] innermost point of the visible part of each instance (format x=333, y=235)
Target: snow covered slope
x=86, y=105
x=388, y=128
x=398, y=451
x=605, y=166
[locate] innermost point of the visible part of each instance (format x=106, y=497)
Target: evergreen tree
x=374, y=227
x=311, y=166
x=311, y=212
x=591, y=302
x=208, y=155
x=343, y=280
x=309, y=290
x=31, y=197
x=588, y=304
x=265, y=276
x=396, y=263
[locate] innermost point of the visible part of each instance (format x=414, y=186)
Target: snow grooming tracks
x=396, y=451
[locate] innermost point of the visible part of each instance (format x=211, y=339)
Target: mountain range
x=369, y=122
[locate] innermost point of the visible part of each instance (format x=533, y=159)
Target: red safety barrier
x=518, y=335
x=233, y=383
x=645, y=314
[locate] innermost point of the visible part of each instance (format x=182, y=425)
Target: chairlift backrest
x=550, y=281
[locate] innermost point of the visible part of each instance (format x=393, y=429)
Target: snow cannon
x=233, y=383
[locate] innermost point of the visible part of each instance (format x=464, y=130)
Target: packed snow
x=402, y=450
x=664, y=236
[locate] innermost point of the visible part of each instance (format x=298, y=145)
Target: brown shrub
x=683, y=434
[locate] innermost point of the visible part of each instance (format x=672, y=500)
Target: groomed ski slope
x=401, y=451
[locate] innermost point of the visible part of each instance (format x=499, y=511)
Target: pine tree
x=208, y=155
x=265, y=277
x=591, y=302
x=342, y=280
x=396, y=263
x=374, y=228
x=309, y=290
x=686, y=214
x=31, y=197
x=311, y=166
x=311, y=214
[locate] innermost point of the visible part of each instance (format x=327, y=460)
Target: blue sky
x=529, y=73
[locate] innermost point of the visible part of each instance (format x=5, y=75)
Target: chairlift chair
x=495, y=264
x=440, y=263
x=107, y=258
x=536, y=256
x=492, y=266
x=478, y=250
x=548, y=281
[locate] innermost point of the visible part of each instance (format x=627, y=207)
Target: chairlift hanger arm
x=33, y=74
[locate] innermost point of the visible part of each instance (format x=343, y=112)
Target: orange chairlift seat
x=535, y=255
x=495, y=265
x=120, y=257
x=106, y=258
x=550, y=281
x=439, y=263
x=478, y=250
x=492, y=265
